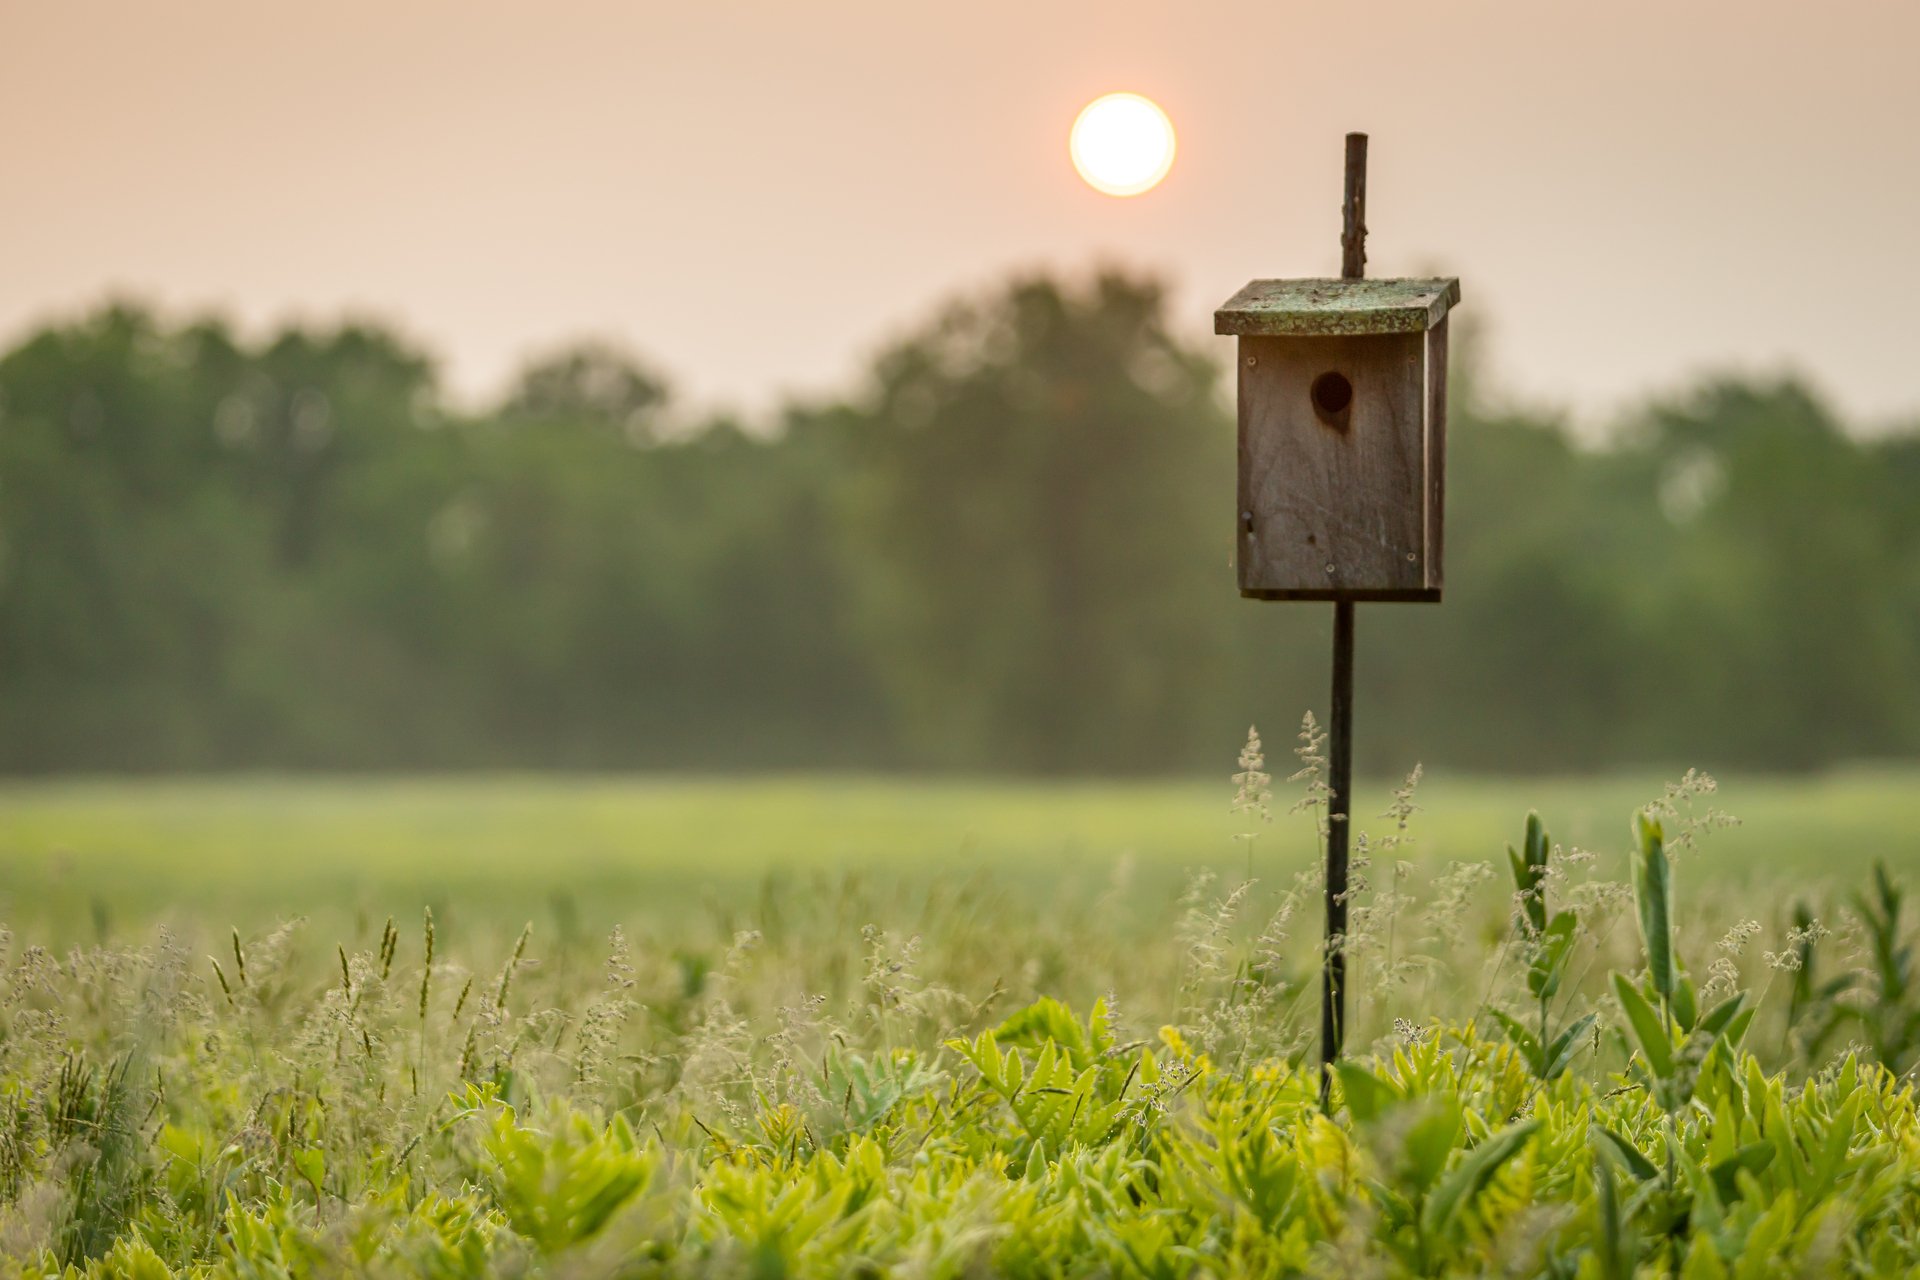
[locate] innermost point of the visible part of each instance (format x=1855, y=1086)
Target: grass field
x=812, y=1027
x=76, y=853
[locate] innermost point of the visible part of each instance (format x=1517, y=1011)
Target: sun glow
x=1122, y=144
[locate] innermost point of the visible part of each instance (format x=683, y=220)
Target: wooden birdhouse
x=1343, y=441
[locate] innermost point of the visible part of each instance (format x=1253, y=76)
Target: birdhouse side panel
x=1436, y=453
x=1334, y=480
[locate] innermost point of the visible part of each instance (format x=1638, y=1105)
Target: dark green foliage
x=1550, y=1058
x=1008, y=550
x=1652, y=895
x=1549, y=942
x=1814, y=1013
x=1036, y=530
x=1529, y=865
x=1888, y=1016
x=94, y=1115
x=1675, y=1043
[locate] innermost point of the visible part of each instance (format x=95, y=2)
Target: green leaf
x=1564, y=1046
x=1523, y=1039
x=1536, y=866
x=1685, y=1005
x=1530, y=874
x=1367, y=1095
x=1721, y=1017
x=1537, y=843
x=1550, y=956
x=312, y=1165
x=1703, y=1260
x=1615, y=1261
x=1753, y=1157
x=1655, y=1045
x=1430, y=1141
x=1652, y=892
x=1605, y=1139
x=1442, y=1209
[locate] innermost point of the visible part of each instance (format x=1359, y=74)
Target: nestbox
x=1343, y=440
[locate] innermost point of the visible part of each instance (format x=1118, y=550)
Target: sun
x=1122, y=144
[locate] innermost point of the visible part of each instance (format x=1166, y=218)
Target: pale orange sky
x=754, y=196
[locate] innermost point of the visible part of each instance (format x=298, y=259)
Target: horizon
x=685, y=418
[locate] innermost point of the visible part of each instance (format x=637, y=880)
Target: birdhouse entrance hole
x=1332, y=397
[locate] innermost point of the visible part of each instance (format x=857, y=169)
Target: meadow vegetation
x=1567, y=1059
x=92, y=860
x=946, y=1022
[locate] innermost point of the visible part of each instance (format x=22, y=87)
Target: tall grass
x=1563, y=1062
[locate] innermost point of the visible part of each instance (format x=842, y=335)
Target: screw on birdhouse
x=1252, y=361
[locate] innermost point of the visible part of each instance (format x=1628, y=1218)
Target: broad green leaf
x=1721, y=1016
x=1706, y=1212
x=1616, y=1262
x=1457, y=1189
x=1536, y=839
x=1652, y=891
x=1605, y=1139
x=1531, y=874
x=1430, y=1141
x=1564, y=1046
x=1529, y=864
x=1753, y=1157
x=1367, y=1095
x=1685, y=1003
x=1703, y=1261
x=1655, y=1045
x=312, y=1165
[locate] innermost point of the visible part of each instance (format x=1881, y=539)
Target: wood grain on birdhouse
x=1342, y=407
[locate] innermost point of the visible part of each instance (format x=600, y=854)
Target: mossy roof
x=1307, y=308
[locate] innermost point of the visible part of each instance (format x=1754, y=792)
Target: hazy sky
x=755, y=196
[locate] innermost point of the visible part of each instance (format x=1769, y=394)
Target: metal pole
x=1333, y=990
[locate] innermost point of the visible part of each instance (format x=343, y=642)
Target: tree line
x=1007, y=549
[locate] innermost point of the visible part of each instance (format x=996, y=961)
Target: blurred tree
x=125, y=549
x=590, y=382
x=1010, y=552
x=1039, y=528
x=1782, y=583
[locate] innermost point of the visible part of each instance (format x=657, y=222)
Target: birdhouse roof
x=1310, y=308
